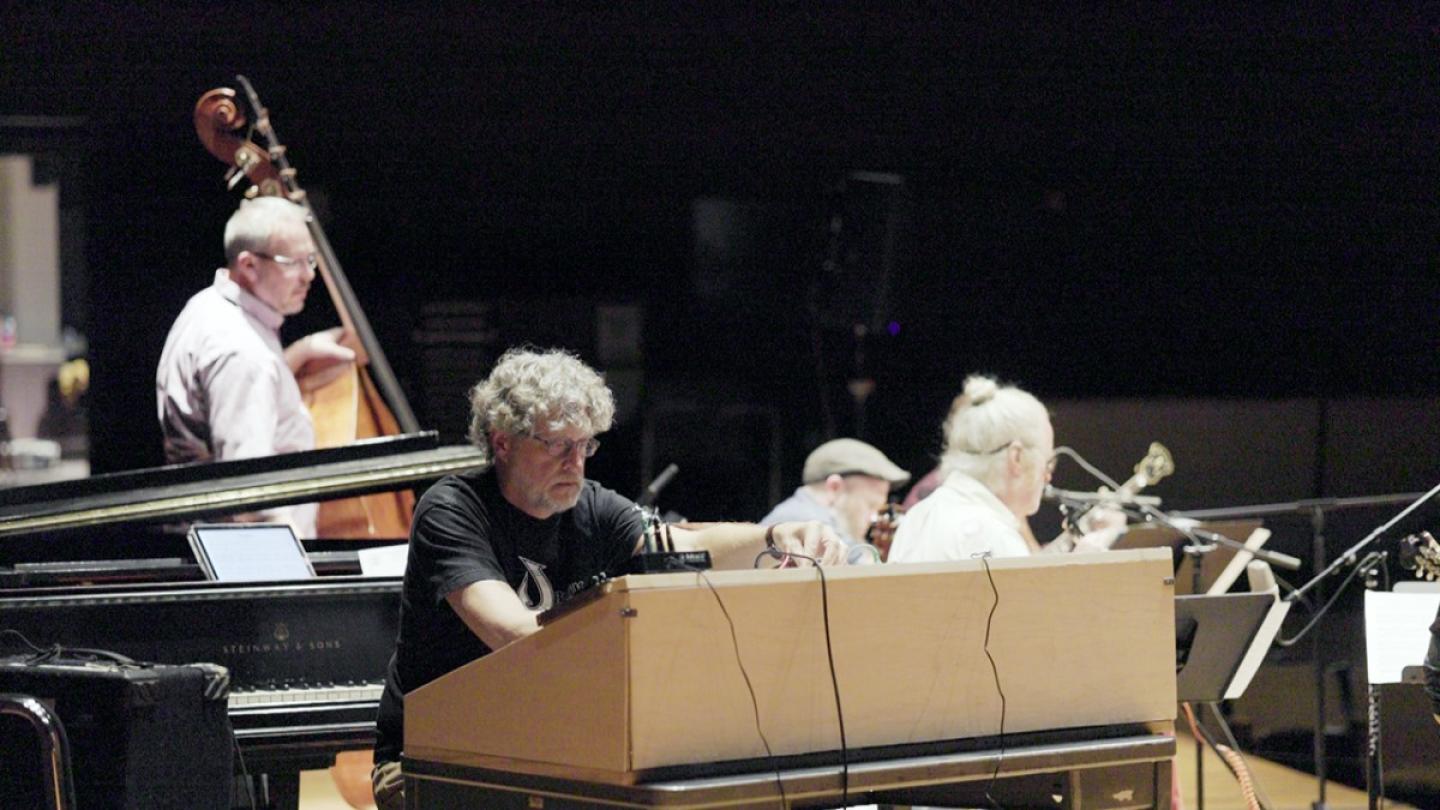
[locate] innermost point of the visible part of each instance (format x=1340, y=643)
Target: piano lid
x=206, y=489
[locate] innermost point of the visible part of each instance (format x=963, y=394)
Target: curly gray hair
x=532, y=389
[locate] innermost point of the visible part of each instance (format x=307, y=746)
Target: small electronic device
x=249, y=552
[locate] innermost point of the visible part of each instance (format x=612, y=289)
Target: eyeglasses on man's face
x=1050, y=461
x=563, y=448
x=310, y=260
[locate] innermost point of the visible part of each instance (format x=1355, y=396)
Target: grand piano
x=104, y=563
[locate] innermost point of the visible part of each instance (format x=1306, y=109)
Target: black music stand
x=1220, y=641
x=1397, y=634
x=1214, y=635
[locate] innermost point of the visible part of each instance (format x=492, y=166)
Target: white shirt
x=224, y=391
x=960, y=520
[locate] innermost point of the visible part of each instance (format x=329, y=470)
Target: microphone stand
x=1316, y=509
x=1201, y=541
x=1348, y=558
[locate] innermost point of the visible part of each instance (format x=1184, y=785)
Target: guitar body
x=345, y=409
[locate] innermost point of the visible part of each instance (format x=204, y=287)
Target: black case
x=141, y=735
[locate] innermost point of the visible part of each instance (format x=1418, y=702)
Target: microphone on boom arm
x=1076, y=505
x=652, y=490
x=1156, y=464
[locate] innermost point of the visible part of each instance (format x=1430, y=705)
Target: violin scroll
x=222, y=127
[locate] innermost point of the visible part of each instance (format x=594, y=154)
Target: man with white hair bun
x=999, y=454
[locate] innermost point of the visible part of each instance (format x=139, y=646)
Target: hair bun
x=980, y=389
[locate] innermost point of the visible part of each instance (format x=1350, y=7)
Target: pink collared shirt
x=223, y=390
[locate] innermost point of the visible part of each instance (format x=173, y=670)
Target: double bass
x=366, y=400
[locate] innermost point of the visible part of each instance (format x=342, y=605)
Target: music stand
x=1220, y=642
x=1316, y=509
x=1214, y=636
x=1397, y=634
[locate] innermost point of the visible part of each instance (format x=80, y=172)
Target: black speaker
x=141, y=735
x=867, y=231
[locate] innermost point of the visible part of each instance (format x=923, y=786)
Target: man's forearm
x=736, y=545
x=731, y=545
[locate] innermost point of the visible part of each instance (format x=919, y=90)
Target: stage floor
x=1287, y=788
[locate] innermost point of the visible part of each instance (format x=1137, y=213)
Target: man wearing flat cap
x=846, y=481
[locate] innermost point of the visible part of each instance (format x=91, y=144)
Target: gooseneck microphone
x=1076, y=497
x=659, y=482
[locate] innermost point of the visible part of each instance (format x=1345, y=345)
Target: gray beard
x=548, y=504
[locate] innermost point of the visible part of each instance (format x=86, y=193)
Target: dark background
x=1230, y=202
x=1216, y=227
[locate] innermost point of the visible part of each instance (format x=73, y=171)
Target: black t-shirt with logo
x=464, y=531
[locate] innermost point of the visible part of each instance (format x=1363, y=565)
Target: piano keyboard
x=329, y=693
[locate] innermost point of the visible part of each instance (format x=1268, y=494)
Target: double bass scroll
x=364, y=402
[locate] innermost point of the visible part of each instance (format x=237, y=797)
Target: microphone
x=1091, y=498
x=1273, y=558
x=651, y=492
x=657, y=551
x=1075, y=505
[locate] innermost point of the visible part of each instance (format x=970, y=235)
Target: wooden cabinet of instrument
x=647, y=675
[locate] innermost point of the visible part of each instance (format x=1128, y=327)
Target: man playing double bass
x=225, y=389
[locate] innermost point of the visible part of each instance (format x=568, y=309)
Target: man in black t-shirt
x=489, y=551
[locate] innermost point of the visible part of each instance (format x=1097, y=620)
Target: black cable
x=834, y=681
x=244, y=772
x=34, y=648
x=830, y=657
x=995, y=671
x=754, y=702
x=1365, y=562
x=1087, y=466
x=1228, y=754
x=42, y=655
x=1303, y=599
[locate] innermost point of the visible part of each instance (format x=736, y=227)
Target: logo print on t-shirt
x=535, y=590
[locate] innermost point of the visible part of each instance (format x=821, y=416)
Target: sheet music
x=383, y=561
x=1397, y=632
